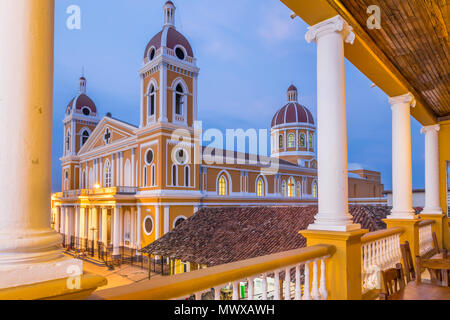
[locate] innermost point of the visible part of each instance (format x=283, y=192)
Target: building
x=126, y=185
x=33, y=266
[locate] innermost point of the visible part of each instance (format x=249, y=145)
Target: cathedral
x=126, y=186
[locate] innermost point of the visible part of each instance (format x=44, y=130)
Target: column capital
x=335, y=24
x=403, y=99
x=432, y=128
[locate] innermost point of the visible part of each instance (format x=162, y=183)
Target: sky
x=249, y=52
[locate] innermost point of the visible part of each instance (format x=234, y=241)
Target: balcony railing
x=425, y=237
x=380, y=251
x=101, y=191
x=303, y=271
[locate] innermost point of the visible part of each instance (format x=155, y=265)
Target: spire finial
x=82, y=89
x=292, y=94
x=169, y=14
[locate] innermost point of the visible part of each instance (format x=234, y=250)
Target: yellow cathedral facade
x=127, y=186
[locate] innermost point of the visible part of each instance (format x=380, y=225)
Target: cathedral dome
x=169, y=37
x=292, y=112
x=82, y=104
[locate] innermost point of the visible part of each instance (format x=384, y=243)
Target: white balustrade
x=313, y=283
x=379, y=254
x=425, y=238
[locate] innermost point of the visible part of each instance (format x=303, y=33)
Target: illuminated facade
x=126, y=186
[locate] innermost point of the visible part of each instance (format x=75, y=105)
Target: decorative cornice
x=403, y=99
x=427, y=129
x=335, y=24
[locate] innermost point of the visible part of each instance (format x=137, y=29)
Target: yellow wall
x=444, y=156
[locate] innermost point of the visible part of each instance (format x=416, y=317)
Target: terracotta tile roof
x=216, y=236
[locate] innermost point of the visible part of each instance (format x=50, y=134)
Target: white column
x=157, y=222
x=82, y=225
x=163, y=93
x=28, y=245
x=133, y=164
x=166, y=219
x=105, y=226
x=116, y=240
x=142, y=101
x=330, y=36
x=121, y=168
x=138, y=229
x=100, y=179
x=113, y=171
x=401, y=157
x=77, y=221
x=432, y=183
x=62, y=226
x=57, y=219
x=95, y=226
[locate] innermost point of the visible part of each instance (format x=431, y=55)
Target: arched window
x=127, y=174
x=151, y=101
x=291, y=140
x=311, y=140
x=179, y=100
x=314, y=190
x=107, y=178
x=84, y=137
x=153, y=176
x=280, y=142
x=178, y=221
x=302, y=140
x=174, y=175
x=187, y=176
x=291, y=187
x=68, y=141
x=260, y=188
x=144, y=177
x=299, y=189
x=283, y=188
x=222, y=186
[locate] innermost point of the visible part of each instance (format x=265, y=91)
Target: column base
x=14, y=275
x=343, y=228
x=343, y=268
x=432, y=211
x=55, y=289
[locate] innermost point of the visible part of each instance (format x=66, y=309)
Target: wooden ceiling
x=414, y=37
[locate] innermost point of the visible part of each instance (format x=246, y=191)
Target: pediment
x=109, y=131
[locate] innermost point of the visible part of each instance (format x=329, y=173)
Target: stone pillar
x=334, y=225
x=105, y=226
x=138, y=229
x=330, y=36
x=133, y=167
x=157, y=222
x=116, y=240
x=95, y=226
x=433, y=210
x=432, y=185
x=401, y=157
x=77, y=226
x=166, y=219
x=57, y=219
x=62, y=225
x=82, y=226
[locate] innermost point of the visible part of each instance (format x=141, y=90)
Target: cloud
x=275, y=26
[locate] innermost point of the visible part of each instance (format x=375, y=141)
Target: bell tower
x=169, y=77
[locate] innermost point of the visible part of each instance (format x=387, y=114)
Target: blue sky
x=249, y=52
